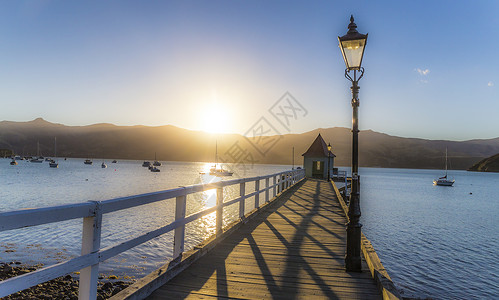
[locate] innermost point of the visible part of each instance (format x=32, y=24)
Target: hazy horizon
x=212, y=133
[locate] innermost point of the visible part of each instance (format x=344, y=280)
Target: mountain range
x=170, y=143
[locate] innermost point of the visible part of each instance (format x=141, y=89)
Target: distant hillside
x=171, y=143
x=490, y=164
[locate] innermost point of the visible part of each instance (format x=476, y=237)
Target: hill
x=176, y=144
x=490, y=164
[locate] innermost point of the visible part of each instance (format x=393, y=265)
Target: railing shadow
x=286, y=283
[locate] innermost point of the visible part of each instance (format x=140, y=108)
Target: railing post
x=267, y=189
x=179, y=235
x=242, y=203
x=90, y=242
x=220, y=210
x=257, y=195
x=274, y=185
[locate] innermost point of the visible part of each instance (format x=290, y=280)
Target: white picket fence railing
x=92, y=212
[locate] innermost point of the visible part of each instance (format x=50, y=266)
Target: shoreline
x=65, y=287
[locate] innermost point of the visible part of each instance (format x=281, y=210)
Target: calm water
x=438, y=242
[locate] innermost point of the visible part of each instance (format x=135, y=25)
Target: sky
x=224, y=66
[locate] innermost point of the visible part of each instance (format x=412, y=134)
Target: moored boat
x=444, y=181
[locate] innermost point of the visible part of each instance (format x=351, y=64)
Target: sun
x=215, y=117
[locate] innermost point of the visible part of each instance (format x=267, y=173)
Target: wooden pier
x=294, y=249
x=290, y=245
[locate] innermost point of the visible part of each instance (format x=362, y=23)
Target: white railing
x=92, y=212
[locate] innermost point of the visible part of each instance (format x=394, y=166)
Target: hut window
x=317, y=165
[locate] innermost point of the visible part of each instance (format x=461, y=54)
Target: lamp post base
x=353, y=261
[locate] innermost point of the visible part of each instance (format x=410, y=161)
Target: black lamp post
x=328, y=161
x=352, y=47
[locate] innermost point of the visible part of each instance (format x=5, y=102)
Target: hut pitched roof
x=318, y=148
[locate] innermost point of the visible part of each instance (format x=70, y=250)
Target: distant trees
x=6, y=152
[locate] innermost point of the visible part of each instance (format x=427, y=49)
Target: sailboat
x=444, y=181
x=38, y=158
x=156, y=163
x=218, y=172
x=53, y=163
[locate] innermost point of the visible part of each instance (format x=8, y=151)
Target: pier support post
x=220, y=211
x=179, y=235
x=91, y=235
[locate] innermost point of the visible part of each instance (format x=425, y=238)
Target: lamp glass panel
x=353, y=52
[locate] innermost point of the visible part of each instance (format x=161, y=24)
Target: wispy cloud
x=490, y=83
x=423, y=72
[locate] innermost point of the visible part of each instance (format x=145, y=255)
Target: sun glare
x=215, y=117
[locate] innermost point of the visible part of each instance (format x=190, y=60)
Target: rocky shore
x=65, y=287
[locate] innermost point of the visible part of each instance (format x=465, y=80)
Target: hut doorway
x=318, y=169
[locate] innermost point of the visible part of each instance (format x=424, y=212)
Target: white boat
x=444, y=180
x=220, y=172
x=215, y=171
x=53, y=163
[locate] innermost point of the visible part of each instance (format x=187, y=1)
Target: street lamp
x=328, y=161
x=352, y=47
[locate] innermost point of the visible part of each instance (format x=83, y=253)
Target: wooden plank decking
x=295, y=249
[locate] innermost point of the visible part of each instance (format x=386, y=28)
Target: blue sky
x=431, y=66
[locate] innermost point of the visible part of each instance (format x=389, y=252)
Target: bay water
x=435, y=242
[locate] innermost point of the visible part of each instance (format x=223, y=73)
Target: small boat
x=444, y=181
x=214, y=171
x=114, y=161
x=156, y=163
x=146, y=164
x=53, y=163
x=13, y=162
x=36, y=160
x=88, y=162
x=103, y=165
x=154, y=169
x=220, y=172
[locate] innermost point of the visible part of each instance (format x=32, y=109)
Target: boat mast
x=445, y=161
x=216, y=153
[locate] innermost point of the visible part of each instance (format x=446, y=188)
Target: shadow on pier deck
x=293, y=249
